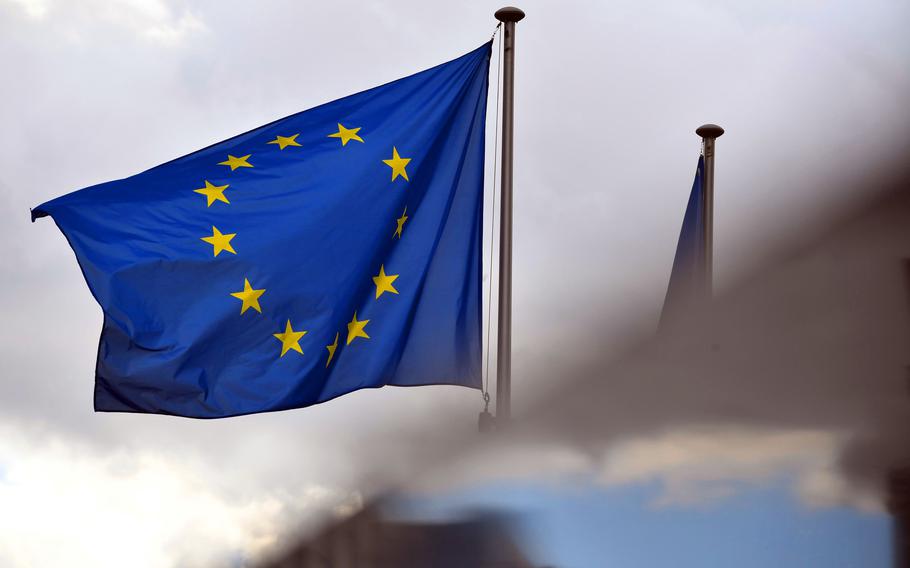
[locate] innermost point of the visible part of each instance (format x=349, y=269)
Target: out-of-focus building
x=370, y=540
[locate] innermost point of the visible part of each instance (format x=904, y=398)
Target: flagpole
x=709, y=133
x=508, y=16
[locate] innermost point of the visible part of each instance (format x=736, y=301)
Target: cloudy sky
x=608, y=96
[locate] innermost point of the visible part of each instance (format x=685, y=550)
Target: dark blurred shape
x=369, y=539
x=898, y=500
x=813, y=335
x=899, y=505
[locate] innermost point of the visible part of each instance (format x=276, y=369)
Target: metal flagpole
x=508, y=16
x=709, y=133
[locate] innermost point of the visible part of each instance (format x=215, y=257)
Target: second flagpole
x=709, y=133
x=508, y=16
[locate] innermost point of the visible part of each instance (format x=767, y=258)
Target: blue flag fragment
x=333, y=250
x=687, y=277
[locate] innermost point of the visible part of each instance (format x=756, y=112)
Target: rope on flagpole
x=495, y=31
x=486, y=377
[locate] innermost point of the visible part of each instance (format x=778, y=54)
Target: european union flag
x=687, y=277
x=333, y=250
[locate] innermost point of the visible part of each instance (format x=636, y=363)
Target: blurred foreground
x=371, y=538
x=814, y=340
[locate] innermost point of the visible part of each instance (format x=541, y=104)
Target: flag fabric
x=333, y=250
x=687, y=276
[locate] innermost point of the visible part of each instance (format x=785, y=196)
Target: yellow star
x=384, y=282
x=285, y=141
x=249, y=297
x=220, y=241
x=355, y=329
x=235, y=162
x=213, y=193
x=289, y=339
x=346, y=134
x=332, y=349
x=398, y=164
x=401, y=221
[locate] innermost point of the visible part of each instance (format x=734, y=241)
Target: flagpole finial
x=509, y=14
x=709, y=131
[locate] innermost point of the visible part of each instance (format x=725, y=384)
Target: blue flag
x=687, y=277
x=333, y=250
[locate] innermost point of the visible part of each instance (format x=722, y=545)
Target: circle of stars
x=250, y=296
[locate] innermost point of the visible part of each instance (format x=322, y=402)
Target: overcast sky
x=607, y=98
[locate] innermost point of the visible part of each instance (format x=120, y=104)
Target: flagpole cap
x=709, y=131
x=509, y=14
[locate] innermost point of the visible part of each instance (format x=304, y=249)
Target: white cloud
x=158, y=21
x=702, y=464
x=173, y=31
x=62, y=505
x=691, y=466
x=35, y=9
